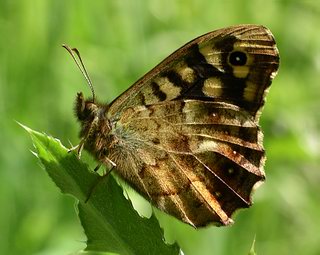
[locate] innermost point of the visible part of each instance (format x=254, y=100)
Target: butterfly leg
x=72, y=148
x=111, y=162
x=78, y=148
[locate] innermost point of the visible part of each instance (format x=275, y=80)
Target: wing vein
x=219, y=178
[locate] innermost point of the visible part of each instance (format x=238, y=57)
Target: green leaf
x=108, y=218
x=252, y=251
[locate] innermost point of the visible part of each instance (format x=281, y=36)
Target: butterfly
x=186, y=135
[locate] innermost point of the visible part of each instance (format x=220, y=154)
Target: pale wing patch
x=149, y=96
x=250, y=91
x=204, y=146
x=212, y=56
x=168, y=88
x=212, y=87
x=187, y=74
x=240, y=71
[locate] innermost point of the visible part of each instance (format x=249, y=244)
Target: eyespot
x=238, y=58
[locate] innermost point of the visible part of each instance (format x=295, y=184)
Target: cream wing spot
x=273, y=74
x=168, y=88
x=212, y=87
x=187, y=74
x=149, y=96
x=212, y=56
x=250, y=91
x=240, y=71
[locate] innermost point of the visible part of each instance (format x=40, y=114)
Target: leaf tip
x=29, y=130
x=252, y=249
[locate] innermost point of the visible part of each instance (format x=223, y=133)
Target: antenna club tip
x=65, y=46
x=74, y=54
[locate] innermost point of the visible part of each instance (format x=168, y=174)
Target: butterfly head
x=86, y=110
x=92, y=117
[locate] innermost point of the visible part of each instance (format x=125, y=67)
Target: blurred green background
x=120, y=40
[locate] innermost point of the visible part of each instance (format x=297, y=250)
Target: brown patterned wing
x=234, y=65
x=187, y=135
x=197, y=161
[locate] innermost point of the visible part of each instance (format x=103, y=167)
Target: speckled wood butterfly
x=186, y=135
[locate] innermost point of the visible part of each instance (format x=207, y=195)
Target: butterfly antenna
x=74, y=54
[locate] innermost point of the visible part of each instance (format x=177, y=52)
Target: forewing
x=206, y=69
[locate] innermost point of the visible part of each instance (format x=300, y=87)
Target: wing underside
x=199, y=166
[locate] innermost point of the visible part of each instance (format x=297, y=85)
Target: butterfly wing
x=206, y=68
x=187, y=135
